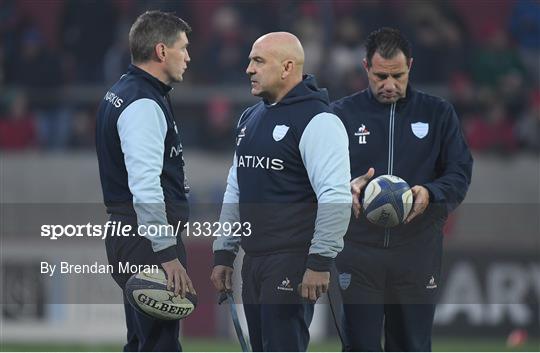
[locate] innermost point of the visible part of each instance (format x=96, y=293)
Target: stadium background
x=57, y=59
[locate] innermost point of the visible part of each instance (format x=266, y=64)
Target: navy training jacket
x=289, y=180
x=136, y=133
x=419, y=139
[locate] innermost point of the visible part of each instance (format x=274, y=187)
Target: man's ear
x=366, y=65
x=410, y=63
x=160, y=50
x=288, y=67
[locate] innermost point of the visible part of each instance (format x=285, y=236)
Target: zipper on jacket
x=390, y=159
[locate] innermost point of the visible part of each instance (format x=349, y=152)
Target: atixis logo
x=246, y=161
x=112, y=98
x=176, y=150
x=285, y=285
x=362, y=133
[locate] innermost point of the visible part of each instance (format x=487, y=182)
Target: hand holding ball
x=147, y=292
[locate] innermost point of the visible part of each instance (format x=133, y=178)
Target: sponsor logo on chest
x=260, y=162
x=176, y=150
x=113, y=99
x=240, y=136
x=362, y=134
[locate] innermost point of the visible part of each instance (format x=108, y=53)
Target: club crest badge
x=420, y=130
x=344, y=280
x=279, y=132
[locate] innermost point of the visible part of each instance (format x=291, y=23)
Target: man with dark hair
x=142, y=168
x=290, y=180
x=389, y=277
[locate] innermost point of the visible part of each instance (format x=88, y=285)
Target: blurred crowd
x=484, y=56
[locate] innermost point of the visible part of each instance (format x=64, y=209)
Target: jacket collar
x=161, y=87
x=408, y=96
x=306, y=89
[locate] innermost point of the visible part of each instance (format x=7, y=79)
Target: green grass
x=207, y=345
x=481, y=345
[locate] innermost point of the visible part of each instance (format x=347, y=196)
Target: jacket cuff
x=224, y=258
x=435, y=195
x=319, y=263
x=167, y=254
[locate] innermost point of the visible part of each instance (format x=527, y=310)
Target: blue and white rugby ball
x=387, y=201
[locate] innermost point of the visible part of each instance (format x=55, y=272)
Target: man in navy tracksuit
x=390, y=277
x=290, y=181
x=142, y=170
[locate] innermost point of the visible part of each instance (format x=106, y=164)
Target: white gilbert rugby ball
x=387, y=201
x=147, y=292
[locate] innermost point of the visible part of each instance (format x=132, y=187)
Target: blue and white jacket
x=140, y=156
x=289, y=179
x=419, y=139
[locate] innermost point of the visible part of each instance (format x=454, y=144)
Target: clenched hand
x=314, y=284
x=222, y=278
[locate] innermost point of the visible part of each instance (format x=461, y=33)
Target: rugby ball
x=147, y=292
x=387, y=201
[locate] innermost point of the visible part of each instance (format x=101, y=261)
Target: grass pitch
x=445, y=344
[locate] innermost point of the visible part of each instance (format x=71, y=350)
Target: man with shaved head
x=289, y=184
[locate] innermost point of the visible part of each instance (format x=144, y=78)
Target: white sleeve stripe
x=241, y=117
x=324, y=148
x=230, y=212
x=142, y=128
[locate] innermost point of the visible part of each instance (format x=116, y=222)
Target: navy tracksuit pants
x=144, y=333
x=278, y=319
x=389, y=294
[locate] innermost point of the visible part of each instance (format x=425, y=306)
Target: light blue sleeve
x=142, y=128
x=324, y=147
x=230, y=212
